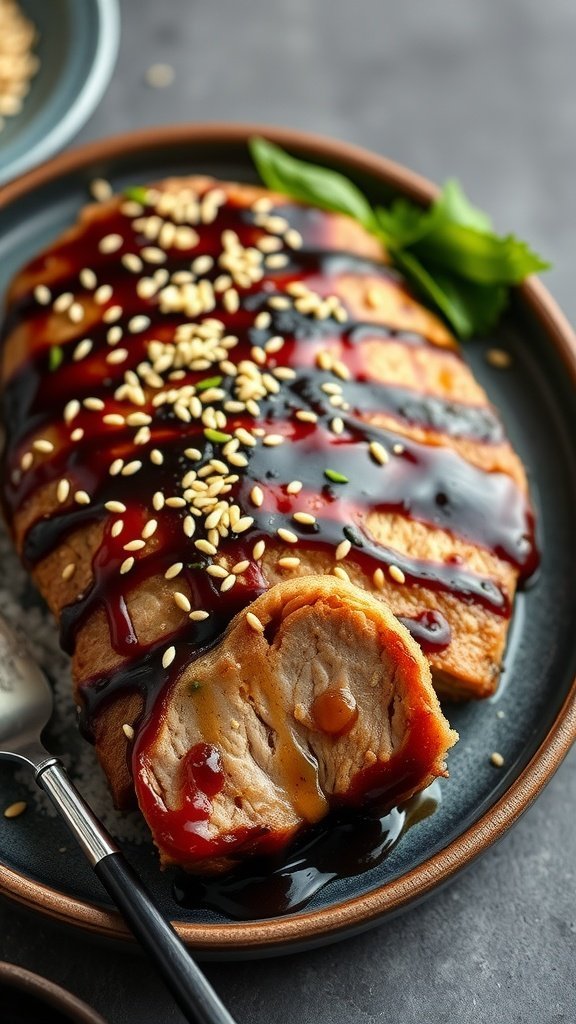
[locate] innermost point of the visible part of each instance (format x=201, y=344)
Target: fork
x=26, y=705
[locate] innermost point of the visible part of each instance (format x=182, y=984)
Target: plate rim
x=84, y=103
x=307, y=929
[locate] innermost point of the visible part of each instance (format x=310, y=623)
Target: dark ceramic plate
x=28, y=997
x=532, y=721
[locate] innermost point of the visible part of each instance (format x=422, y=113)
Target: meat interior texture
x=223, y=410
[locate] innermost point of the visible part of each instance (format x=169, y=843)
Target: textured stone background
x=484, y=90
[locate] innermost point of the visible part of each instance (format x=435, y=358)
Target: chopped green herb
x=335, y=477
x=449, y=251
x=55, y=357
x=195, y=685
x=137, y=193
x=216, y=436
x=194, y=565
x=208, y=382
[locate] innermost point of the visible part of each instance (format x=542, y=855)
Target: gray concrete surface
x=481, y=89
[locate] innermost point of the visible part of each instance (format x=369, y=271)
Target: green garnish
x=194, y=565
x=448, y=251
x=217, y=436
x=137, y=193
x=208, y=382
x=195, y=685
x=335, y=477
x=55, y=357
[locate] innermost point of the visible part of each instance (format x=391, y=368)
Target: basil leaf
x=403, y=224
x=469, y=308
x=453, y=205
x=309, y=183
x=480, y=257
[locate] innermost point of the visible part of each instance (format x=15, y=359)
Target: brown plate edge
x=54, y=996
x=352, y=915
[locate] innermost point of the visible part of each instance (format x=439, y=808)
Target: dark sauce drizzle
x=429, y=483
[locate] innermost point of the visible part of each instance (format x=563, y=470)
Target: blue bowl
x=78, y=45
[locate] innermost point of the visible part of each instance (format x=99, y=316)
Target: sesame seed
x=496, y=759
x=116, y=467
x=182, y=601
x=257, y=496
x=341, y=573
x=82, y=498
x=160, y=76
x=294, y=487
x=113, y=335
x=68, y=571
x=15, y=809
x=63, y=491
x=100, y=189
x=63, y=302
x=189, y=526
x=240, y=567
x=26, y=460
x=111, y=314
x=231, y=300
x=168, y=656
x=277, y=260
x=254, y=622
x=77, y=434
x=263, y=320
x=110, y=243
x=242, y=524
x=119, y=355
x=156, y=457
x=304, y=517
x=135, y=545
x=115, y=506
x=202, y=264
x=82, y=349
x=42, y=445
x=342, y=550
x=152, y=254
x=287, y=535
x=288, y=562
x=132, y=262
x=103, y=294
x=158, y=501
x=94, y=404
x=337, y=425
x=273, y=440
x=227, y=584
x=205, y=546
x=378, y=452
x=258, y=550
x=398, y=449
x=173, y=571
x=499, y=358
x=149, y=529
x=378, y=579
x=396, y=574
x=192, y=453
x=293, y=238
x=306, y=416
x=76, y=312
x=137, y=324
x=117, y=528
x=42, y=294
x=199, y=615
x=128, y=731
x=131, y=467
x=88, y=279
x=279, y=302
x=218, y=571
x=126, y=565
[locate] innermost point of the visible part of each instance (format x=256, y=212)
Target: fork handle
x=193, y=993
